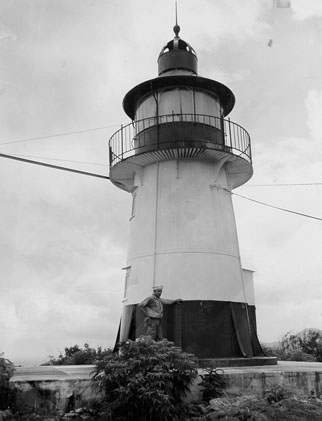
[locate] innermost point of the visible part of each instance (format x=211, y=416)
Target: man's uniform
x=153, y=309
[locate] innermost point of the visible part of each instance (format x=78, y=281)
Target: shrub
x=301, y=347
x=257, y=408
x=311, y=343
x=6, y=371
x=238, y=407
x=291, y=343
x=276, y=393
x=212, y=384
x=145, y=380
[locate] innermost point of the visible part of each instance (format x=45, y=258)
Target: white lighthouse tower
x=180, y=158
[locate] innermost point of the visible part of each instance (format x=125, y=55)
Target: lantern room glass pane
x=206, y=104
x=176, y=102
x=147, y=108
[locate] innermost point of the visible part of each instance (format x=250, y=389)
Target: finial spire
x=176, y=27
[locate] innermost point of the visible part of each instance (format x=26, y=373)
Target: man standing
x=152, y=308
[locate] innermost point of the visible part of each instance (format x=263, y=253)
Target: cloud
x=221, y=20
x=283, y=248
x=304, y=9
x=48, y=322
x=7, y=33
x=313, y=104
x=63, y=244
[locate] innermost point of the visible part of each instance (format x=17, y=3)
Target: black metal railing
x=173, y=131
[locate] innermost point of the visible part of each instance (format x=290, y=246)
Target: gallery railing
x=174, y=131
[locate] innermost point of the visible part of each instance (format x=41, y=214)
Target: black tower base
x=211, y=330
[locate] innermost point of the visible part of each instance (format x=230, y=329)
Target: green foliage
x=305, y=347
x=311, y=343
x=145, y=380
x=238, y=407
x=212, y=384
x=276, y=393
x=6, y=371
x=256, y=408
x=75, y=355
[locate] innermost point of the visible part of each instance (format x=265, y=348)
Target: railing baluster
x=130, y=138
x=236, y=135
x=122, y=140
x=230, y=138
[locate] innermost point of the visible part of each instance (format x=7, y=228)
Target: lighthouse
x=180, y=157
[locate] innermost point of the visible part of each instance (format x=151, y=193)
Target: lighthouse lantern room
x=180, y=158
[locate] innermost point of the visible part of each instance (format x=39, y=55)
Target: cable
x=29, y=161
x=283, y=185
x=57, y=135
x=56, y=167
x=63, y=160
x=276, y=207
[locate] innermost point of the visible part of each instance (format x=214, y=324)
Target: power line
x=56, y=167
x=104, y=165
x=283, y=185
x=62, y=160
x=58, y=135
x=276, y=207
x=29, y=161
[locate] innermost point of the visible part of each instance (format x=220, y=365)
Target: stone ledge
x=236, y=362
x=70, y=387
x=52, y=372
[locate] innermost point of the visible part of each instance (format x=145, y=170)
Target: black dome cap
x=177, y=54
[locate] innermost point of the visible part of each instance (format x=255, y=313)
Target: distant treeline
x=75, y=355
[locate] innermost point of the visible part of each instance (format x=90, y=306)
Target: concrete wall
x=303, y=379
x=302, y=384
x=51, y=395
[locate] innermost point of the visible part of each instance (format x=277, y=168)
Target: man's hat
x=157, y=288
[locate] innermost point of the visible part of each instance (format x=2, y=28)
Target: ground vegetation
x=303, y=346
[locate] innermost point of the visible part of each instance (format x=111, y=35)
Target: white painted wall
x=183, y=234
x=248, y=277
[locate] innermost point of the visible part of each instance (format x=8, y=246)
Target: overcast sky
x=65, y=66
